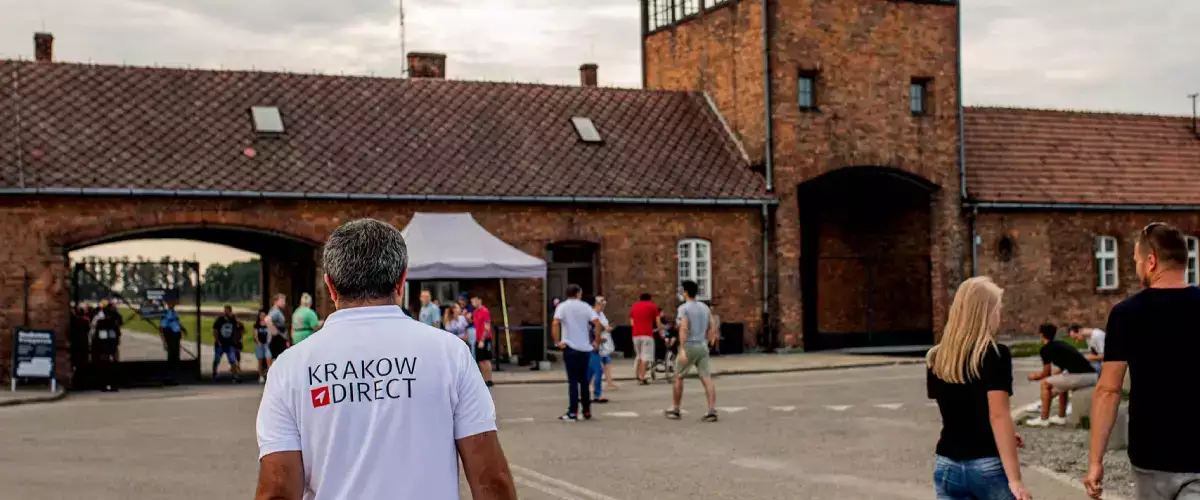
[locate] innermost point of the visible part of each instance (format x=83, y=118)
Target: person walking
x=280, y=336
x=1074, y=373
x=1154, y=336
x=227, y=332
x=970, y=376
x=172, y=335
x=262, y=353
x=601, y=359
x=456, y=322
x=430, y=313
x=643, y=320
x=570, y=330
x=106, y=343
x=481, y=318
x=382, y=406
x=696, y=333
x=304, y=319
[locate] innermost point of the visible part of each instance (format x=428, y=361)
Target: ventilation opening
x=1005, y=249
x=267, y=119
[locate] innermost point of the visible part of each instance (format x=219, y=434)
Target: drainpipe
x=962, y=138
x=770, y=139
x=766, y=273
x=974, y=242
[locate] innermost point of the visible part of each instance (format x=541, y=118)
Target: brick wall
x=865, y=53
x=636, y=246
x=1051, y=275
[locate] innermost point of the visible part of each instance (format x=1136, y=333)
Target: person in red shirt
x=643, y=317
x=483, y=335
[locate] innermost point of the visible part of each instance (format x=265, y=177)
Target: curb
x=60, y=395
x=743, y=372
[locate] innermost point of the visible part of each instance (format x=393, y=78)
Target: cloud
x=1086, y=54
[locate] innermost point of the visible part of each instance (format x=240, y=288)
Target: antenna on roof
x=1195, y=125
x=403, y=44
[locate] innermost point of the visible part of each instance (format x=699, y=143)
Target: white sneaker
x=1058, y=421
x=1037, y=422
x=567, y=417
x=262, y=380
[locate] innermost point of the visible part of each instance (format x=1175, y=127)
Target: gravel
x=1065, y=450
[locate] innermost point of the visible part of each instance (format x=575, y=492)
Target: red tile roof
x=89, y=126
x=1039, y=156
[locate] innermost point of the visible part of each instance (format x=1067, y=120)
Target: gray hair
x=365, y=259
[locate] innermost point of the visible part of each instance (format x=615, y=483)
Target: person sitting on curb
x=1074, y=373
x=1095, y=342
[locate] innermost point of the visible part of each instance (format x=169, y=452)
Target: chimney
x=587, y=74
x=43, y=47
x=426, y=65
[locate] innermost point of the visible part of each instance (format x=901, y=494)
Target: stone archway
x=866, y=267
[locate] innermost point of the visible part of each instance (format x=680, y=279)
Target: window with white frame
x=659, y=14
x=1193, y=272
x=1106, y=262
x=445, y=292
x=687, y=8
x=695, y=264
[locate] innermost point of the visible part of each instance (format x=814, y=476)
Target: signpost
x=154, y=300
x=33, y=356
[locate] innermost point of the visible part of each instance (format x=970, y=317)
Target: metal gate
x=137, y=291
x=870, y=301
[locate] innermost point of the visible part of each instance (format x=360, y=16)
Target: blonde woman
x=455, y=322
x=304, y=319
x=970, y=376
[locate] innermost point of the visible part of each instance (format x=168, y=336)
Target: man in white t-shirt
x=1095, y=342
x=573, y=320
x=379, y=406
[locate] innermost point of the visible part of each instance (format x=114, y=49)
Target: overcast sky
x=1123, y=55
x=1116, y=55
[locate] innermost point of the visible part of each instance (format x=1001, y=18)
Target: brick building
x=809, y=162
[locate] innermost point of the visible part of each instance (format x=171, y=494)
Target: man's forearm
x=1104, y=415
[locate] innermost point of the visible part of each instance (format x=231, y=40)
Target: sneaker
x=262, y=380
x=711, y=416
x=600, y=400
x=587, y=415
x=672, y=414
x=1058, y=421
x=489, y=383
x=1037, y=422
x=567, y=417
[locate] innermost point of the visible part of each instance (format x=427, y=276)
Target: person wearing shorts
x=696, y=333
x=227, y=334
x=643, y=319
x=1075, y=372
x=262, y=353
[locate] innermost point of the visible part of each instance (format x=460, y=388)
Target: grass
x=189, y=323
x=1031, y=348
x=247, y=304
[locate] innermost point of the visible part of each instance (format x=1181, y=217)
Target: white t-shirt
x=576, y=319
x=375, y=404
x=606, y=341
x=1096, y=341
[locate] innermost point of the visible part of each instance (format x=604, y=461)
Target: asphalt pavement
x=865, y=433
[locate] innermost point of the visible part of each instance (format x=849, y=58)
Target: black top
x=966, y=426
x=227, y=332
x=1063, y=355
x=1157, y=332
x=261, y=331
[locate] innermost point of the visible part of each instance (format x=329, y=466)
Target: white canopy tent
x=455, y=246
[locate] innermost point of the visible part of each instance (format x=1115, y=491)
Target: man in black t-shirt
x=1074, y=373
x=1155, y=335
x=227, y=337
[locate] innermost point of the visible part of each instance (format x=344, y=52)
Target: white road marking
x=730, y=409
x=839, y=407
x=932, y=405
x=890, y=406
x=759, y=463
x=783, y=408
x=622, y=414
x=521, y=420
x=580, y=490
x=543, y=488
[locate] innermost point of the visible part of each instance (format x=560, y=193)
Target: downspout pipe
x=766, y=279
x=974, y=242
x=769, y=154
x=962, y=138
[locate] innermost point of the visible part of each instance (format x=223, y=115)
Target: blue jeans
x=596, y=371
x=979, y=479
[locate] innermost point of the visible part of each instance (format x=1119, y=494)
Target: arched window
x=1193, y=272
x=1106, y=262
x=695, y=264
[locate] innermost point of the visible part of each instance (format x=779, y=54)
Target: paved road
x=861, y=433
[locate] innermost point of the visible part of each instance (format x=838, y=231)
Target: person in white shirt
x=1095, y=342
x=573, y=320
x=379, y=406
x=600, y=362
